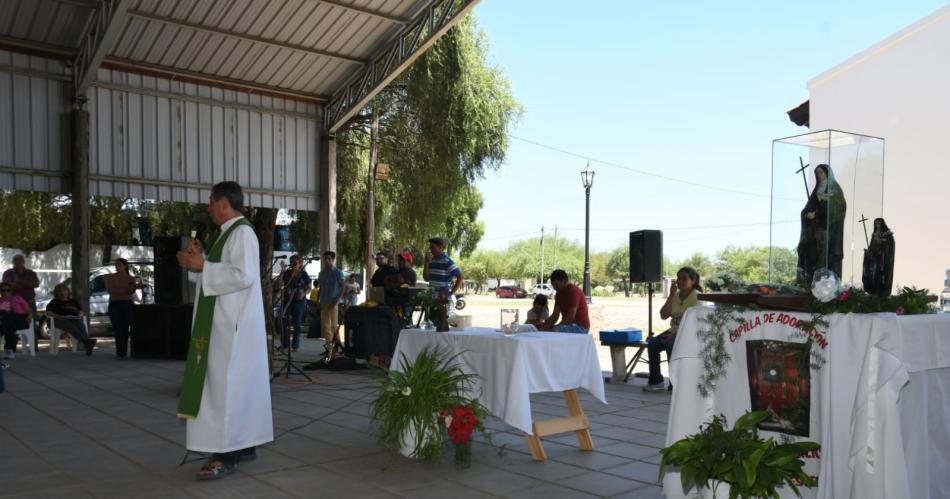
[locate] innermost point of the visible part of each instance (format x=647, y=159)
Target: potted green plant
x=411, y=398
x=738, y=463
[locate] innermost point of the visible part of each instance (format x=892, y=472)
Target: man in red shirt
x=570, y=306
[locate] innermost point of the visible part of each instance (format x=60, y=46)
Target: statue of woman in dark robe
x=821, y=244
x=878, y=275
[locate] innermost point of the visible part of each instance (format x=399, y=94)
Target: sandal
x=215, y=469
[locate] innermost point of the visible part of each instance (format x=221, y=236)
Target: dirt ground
x=605, y=313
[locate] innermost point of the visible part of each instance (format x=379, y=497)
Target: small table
x=511, y=367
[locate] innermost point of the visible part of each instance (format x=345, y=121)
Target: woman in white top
x=683, y=294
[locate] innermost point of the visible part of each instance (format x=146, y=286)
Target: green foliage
x=909, y=301
x=753, y=467
x=701, y=263
x=443, y=124
x=479, y=267
x=34, y=220
x=305, y=232
x=410, y=399
x=618, y=263
x=715, y=357
x=720, y=280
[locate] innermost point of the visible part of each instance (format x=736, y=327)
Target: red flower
x=844, y=295
x=463, y=423
x=899, y=311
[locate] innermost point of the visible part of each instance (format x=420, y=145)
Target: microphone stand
x=288, y=361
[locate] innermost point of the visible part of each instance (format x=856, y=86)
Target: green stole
x=193, y=383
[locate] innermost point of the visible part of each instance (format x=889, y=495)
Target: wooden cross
x=802, y=171
x=865, y=225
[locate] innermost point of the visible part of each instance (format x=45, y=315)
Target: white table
x=880, y=405
x=511, y=367
x=925, y=404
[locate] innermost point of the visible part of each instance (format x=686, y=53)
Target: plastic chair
x=29, y=338
x=54, y=336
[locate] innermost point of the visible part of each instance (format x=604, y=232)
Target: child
x=539, y=311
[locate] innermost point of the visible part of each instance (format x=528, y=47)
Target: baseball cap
x=407, y=256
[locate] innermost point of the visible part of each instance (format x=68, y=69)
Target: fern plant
x=411, y=397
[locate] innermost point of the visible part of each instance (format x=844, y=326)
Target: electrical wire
x=639, y=171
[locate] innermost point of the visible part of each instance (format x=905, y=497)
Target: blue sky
x=689, y=90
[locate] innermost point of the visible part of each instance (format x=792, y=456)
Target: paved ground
x=76, y=426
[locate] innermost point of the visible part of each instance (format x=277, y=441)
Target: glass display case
x=827, y=189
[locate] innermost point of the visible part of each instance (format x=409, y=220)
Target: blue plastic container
x=629, y=335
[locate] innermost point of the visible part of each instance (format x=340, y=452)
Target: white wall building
x=899, y=89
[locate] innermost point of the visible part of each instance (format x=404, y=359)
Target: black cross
x=802, y=171
x=865, y=225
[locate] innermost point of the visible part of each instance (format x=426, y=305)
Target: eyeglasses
x=6, y=290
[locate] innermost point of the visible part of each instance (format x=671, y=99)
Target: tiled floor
x=76, y=426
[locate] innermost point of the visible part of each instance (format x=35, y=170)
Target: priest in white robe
x=226, y=390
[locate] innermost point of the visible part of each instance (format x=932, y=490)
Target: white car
x=99, y=296
x=543, y=289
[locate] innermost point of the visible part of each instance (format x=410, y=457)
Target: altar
x=510, y=367
x=872, y=389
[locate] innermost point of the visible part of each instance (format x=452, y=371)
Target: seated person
x=383, y=270
x=539, y=311
x=570, y=306
x=14, y=316
x=404, y=272
x=684, y=293
x=68, y=315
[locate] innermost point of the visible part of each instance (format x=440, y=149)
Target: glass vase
x=463, y=455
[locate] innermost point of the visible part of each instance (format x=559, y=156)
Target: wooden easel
x=576, y=422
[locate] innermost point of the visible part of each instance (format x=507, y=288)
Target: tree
x=443, y=123
x=598, y=270
x=42, y=220
x=618, y=266
x=750, y=263
x=700, y=263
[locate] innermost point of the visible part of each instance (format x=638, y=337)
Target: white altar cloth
x=511, y=367
x=852, y=398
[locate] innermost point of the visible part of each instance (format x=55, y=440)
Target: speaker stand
x=649, y=309
x=288, y=361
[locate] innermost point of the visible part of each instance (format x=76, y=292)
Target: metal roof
x=306, y=49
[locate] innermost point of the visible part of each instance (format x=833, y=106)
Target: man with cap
x=383, y=270
x=440, y=270
x=404, y=261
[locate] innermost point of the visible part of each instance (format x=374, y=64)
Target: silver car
x=99, y=296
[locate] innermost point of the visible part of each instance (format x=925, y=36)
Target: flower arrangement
x=410, y=400
x=909, y=300
x=460, y=422
x=738, y=460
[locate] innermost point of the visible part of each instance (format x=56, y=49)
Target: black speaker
x=646, y=256
x=161, y=331
x=170, y=278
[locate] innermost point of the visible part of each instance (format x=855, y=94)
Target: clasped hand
x=192, y=257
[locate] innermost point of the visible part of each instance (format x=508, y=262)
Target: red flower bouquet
x=461, y=421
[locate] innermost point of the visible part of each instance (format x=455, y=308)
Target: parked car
x=98, y=295
x=543, y=289
x=510, y=292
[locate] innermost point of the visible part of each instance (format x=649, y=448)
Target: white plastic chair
x=54, y=336
x=29, y=338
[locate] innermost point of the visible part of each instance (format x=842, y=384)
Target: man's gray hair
x=230, y=190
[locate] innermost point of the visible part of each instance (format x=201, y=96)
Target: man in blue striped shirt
x=439, y=269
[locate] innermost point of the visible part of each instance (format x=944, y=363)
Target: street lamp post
x=587, y=176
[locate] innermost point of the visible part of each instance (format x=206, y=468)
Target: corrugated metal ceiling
x=304, y=47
